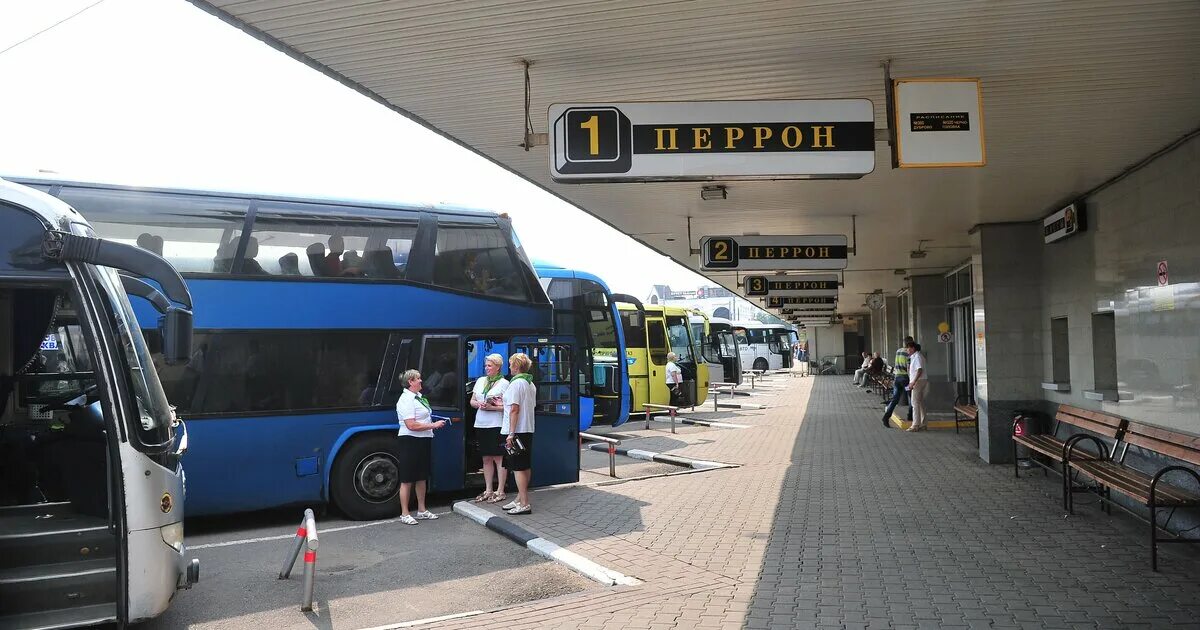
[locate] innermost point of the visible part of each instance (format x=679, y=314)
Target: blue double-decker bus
x=586, y=309
x=308, y=311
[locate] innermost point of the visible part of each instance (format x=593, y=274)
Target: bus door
x=657, y=347
x=556, y=419
x=695, y=371
x=637, y=360
x=785, y=349
x=443, y=364
x=726, y=345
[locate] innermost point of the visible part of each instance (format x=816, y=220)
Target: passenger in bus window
x=488, y=399
x=379, y=263
x=250, y=266
x=333, y=260
x=520, y=401
x=415, y=446
x=223, y=261
x=352, y=265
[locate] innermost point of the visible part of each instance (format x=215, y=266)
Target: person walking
x=487, y=398
x=674, y=379
x=415, y=448
x=918, y=385
x=899, y=381
x=520, y=401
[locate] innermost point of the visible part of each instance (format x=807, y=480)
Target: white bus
x=91, y=488
x=764, y=346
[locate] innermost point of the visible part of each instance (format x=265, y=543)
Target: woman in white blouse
x=487, y=398
x=415, y=448
x=520, y=403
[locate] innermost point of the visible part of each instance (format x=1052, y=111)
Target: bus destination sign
x=765, y=253
x=823, y=285
x=705, y=140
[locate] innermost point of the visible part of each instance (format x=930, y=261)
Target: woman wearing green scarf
x=488, y=419
x=415, y=449
x=520, y=402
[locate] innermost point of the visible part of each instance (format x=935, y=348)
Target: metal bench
x=648, y=407
x=719, y=388
x=613, y=445
x=1145, y=488
x=1054, y=448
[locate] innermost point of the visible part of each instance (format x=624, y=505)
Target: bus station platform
x=830, y=520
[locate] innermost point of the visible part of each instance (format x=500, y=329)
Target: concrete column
x=928, y=299
x=1007, y=278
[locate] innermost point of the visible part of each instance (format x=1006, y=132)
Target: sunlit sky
x=160, y=93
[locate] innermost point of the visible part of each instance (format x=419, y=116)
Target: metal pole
x=612, y=460
x=716, y=394
x=647, y=418
x=672, y=419
x=294, y=552
x=310, y=560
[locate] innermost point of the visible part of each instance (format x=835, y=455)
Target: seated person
x=333, y=260
x=289, y=264
x=352, y=265
x=223, y=261
x=378, y=263
x=250, y=266
x=150, y=243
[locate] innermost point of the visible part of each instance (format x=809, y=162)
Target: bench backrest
x=1097, y=422
x=1180, y=446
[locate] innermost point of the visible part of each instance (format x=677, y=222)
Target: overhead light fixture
x=713, y=193
x=899, y=272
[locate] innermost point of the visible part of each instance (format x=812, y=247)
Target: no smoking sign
x=1162, y=273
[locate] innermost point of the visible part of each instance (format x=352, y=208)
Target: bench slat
x=1050, y=446
x=1177, y=445
x=1134, y=483
x=1100, y=428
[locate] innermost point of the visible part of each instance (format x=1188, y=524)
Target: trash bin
x=1027, y=422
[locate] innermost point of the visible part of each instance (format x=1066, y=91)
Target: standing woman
x=674, y=379
x=487, y=398
x=416, y=439
x=520, y=400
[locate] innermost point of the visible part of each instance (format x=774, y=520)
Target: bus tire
x=760, y=364
x=364, y=480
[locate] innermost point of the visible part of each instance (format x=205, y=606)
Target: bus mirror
x=176, y=329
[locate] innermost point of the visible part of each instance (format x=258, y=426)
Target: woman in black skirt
x=416, y=433
x=487, y=398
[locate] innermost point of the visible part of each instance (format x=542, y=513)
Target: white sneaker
x=426, y=516
x=521, y=509
x=407, y=519
x=510, y=505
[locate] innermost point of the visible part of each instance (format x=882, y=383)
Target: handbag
x=516, y=448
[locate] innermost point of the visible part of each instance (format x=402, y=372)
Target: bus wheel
x=365, y=478
x=760, y=364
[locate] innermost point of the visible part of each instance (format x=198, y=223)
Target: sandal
x=497, y=497
x=484, y=497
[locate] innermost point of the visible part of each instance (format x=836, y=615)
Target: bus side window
x=293, y=241
x=195, y=234
x=476, y=259
x=657, y=340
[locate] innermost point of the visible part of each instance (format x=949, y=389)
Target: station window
x=1060, y=351
x=273, y=371
x=476, y=258
x=196, y=234
x=441, y=382
x=1104, y=351
x=308, y=240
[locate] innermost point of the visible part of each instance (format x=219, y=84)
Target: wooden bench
x=965, y=410
x=1054, y=448
x=1145, y=488
x=882, y=382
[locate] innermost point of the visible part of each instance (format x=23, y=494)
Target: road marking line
x=421, y=622
x=247, y=541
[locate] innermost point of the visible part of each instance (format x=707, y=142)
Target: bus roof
x=547, y=270
x=348, y=202
x=53, y=211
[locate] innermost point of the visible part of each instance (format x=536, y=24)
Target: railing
x=612, y=450
x=306, y=538
x=668, y=408
x=717, y=388
x=753, y=374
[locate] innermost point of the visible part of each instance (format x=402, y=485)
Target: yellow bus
x=650, y=333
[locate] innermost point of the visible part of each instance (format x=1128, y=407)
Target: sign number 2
x=721, y=252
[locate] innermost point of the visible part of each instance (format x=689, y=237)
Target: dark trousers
x=898, y=392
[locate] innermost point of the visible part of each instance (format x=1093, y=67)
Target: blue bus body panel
x=238, y=304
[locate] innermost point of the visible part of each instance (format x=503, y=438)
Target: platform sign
x=823, y=309
x=780, y=302
x=939, y=122
x=706, y=140
x=769, y=253
x=822, y=285
x=1063, y=223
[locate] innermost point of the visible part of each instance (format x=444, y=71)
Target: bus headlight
x=173, y=535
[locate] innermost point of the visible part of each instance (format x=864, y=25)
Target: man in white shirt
x=918, y=384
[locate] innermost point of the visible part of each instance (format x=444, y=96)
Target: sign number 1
x=593, y=127
x=592, y=135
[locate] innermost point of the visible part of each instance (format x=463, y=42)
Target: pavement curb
x=729, y=405
x=703, y=423
x=649, y=456
x=543, y=547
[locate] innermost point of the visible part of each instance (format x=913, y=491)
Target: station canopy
x=1073, y=94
